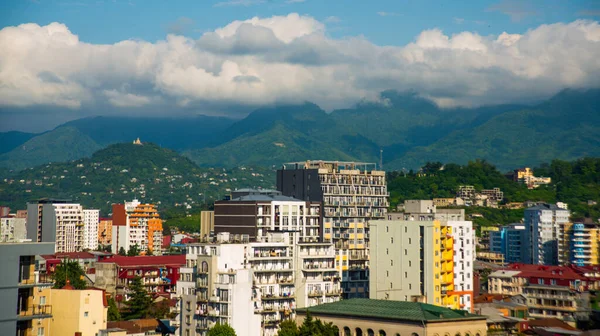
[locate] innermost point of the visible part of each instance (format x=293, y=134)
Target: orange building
x=105, y=231
x=147, y=214
x=134, y=223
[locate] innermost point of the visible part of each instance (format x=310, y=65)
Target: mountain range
x=409, y=129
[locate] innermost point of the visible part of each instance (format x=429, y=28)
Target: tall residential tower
x=352, y=194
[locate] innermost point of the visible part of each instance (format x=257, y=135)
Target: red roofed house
x=159, y=274
x=49, y=261
x=551, y=291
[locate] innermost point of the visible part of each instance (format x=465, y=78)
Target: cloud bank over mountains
x=290, y=59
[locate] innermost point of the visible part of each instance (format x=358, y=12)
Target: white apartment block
x=254, y=286
x=544, y=227
x=464, y=257
x=91, y=220
x=56, y=221
x=12, y=229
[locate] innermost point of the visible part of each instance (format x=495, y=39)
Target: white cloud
x=458, y=20
x=123, y=99
x=291, y=59
x=333, y=19
x=387, y=14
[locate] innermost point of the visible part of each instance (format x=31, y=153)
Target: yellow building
x=207, y=224
x=74, y=310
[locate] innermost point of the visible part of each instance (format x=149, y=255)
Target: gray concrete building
x=20, y=310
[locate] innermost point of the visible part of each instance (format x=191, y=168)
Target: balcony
x=316, y=293
x=35, y=311
x=214, y=298
x=334, y=292
x=272, y=297
x=38, y=280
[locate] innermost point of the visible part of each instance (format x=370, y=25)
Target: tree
x=160, y=310
x=113, y=312
x=122, y=251
x=73, y=271
x=221, y=330
x=133, y=251
x=139, y=303
x=310, y=327
x=288, y=328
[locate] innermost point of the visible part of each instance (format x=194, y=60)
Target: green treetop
x=71, y=270
x=221, y=330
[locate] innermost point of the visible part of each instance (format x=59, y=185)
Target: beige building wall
x=355, y=326
x=77, y=311
x=207, y=223
x=396, y=269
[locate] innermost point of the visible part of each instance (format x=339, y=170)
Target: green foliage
x=309, y=327
x=134, y=250
x=72, y=271
x=221, y=330
x=113, y=312
x=60, y=144
x=126, y=171
x=182, y=221
x=122, y=251
x=572, y=182
x=139, y=303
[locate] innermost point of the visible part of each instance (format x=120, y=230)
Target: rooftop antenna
x=381, y=159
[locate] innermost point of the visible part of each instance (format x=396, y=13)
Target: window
x=405, y=251
x=387, y=251
x=42, y=300
x=406, y=274
x=409, y=286
x=391, y=262
x=392, y=239
x=387, y=229
x=409, y=240
x=409, y=263
x=387, y=273
x=85, y=314
x=391, y=285
x=405, y=229
x=381, y=333
x=347, y=331
x=40, y=331
x=370, y=332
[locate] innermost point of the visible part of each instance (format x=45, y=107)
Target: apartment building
x=550, y=291
x=544, y=229
x=581, y=244
x=57, y=221
x=271, y=276
x=526, y=176
x=406, y=263
x=13, y=229
x=91, y=220
x=105, y=232
x=77, y=312
x=456, y=245
x=253, y=213
x=352, y=194
x=24, y=310
x=511, y=242
x=135, y=223
x=159, y=274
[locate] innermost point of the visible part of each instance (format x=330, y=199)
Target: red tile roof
x=69, y=255
x=122, y=261
x=545, y=272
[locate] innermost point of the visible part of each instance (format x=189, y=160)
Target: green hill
x=125, y=171
x=409, y=129
x=61, y=144
x=566, y=127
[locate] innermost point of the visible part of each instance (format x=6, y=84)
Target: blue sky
x=383, y=22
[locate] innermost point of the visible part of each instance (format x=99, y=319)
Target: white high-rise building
x=544, y=229
x=54, y=220
x=464, y=256
x=91, y=219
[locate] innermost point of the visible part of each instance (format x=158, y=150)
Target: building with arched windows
x=367, y=317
